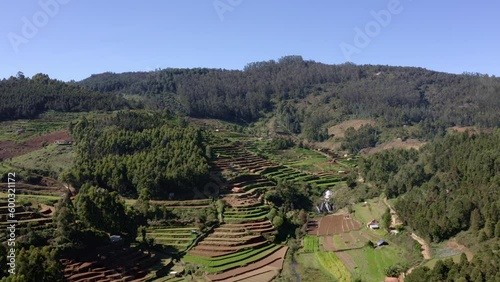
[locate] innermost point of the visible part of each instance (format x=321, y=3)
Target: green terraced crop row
x=331, y=263
x=244, y=262
x=244, y=216
x=237, y=220
x=233, y=260
x=306, y=178
x=271, y=170
x=170, y=237
x=248, y=211
x=325, y=180
x=173, y=230
x=311, y=244
x=258, y=185
x=279, y=172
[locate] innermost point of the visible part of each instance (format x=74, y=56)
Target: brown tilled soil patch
x=337, y=131
x=328, y=244
x=471, y=129
x=337, y=224
x=453, y=244
x=312, y=227
x=396, y=143
x=10, y=149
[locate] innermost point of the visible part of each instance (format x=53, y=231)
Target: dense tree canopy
x=37, y=265
x=311, y=94
x=28, y=97
x=483, y=268
x=452, y=184
x=154, y=154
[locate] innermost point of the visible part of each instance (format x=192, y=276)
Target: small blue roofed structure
x=381, y=243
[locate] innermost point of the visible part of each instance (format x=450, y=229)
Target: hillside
x=308, y=97
x=285, y=170
x=24, y=98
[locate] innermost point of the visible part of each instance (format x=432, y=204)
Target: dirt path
x=426, y=250
x=461, y=248
x=395, y=221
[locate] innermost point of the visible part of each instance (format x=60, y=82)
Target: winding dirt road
x=426, y=250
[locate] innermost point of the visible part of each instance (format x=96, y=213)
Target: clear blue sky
x=83, y=37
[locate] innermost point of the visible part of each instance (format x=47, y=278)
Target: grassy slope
x=310, y=270
x=372, y=262
x=46, y=123
x=52, y=158
x=44, y=199
x=330, y=262
x=372, y=210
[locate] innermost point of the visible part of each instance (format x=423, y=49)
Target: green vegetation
x=238, y=259
x=136, y=152
x=434, y=184
x=311, y=244
x=309, y=269
x=44, y=199
x=481, y=268
x=364, y=137
x=51, y=160
x=28, y=97
x=177, y=238
x=306, y=96
x=373, y=209
x=278, y=110
x=46, y=123
x=371, y=262
x=34, y=264
x=332, y=264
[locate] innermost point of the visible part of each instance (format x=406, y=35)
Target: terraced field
x=332, y=264
x=311, y=244
x=245, y=220
x=260, y=271
x=38, y=216
x=178, y=238
x=284, y=173
x=127, y=264
x=237, y=246
x=236, y=158
x=247, y=183
x=245, y=214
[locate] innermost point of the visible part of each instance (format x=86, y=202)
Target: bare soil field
x=312, y=227
x=328, y=244
x=336, y=224
x=337, y=131
x=396, y=143
x=471, y=129
x=10, y=149
x=123, y=265
x=453, y=244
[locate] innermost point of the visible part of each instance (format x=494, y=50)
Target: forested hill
x=309, y=93
x=24, y=97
